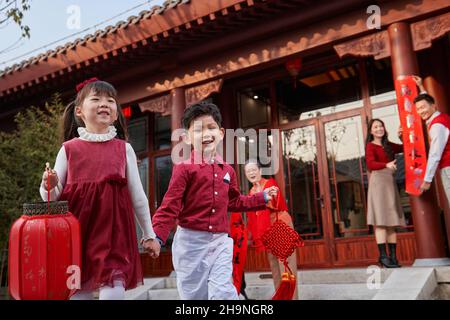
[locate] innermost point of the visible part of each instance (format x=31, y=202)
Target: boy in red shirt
x=201, y=192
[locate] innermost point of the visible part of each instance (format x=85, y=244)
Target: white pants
x=203, y=263
x=445, y=177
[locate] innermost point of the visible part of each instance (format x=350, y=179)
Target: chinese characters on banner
x=239, y=235
x=413, y=139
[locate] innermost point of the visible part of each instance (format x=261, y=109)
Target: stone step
x=354, y=291
x=163, y=294
x=442, y=274
x=417, y=283
x=325, y=276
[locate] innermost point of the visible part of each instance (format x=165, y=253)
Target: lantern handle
x=49, y=173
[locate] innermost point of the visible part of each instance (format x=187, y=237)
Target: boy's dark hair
x=424, y=96
x=201, y=109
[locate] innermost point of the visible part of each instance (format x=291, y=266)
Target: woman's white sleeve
x=138, y=197
x=61, y=171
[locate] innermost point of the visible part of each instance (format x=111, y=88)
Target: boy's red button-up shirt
x=200, y=196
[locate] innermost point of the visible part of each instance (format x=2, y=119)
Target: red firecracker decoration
x=44, y=251
x=293, y=67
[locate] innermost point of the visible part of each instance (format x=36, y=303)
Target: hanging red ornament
x=293, y=67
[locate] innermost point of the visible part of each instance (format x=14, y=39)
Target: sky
x=54, y=20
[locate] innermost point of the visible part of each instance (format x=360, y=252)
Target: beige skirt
x=383, y=200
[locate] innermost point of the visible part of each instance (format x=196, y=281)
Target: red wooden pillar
x=178, y=106
x=435, y=80
x=425, y=212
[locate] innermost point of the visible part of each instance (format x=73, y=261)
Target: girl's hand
x=271, y=192
x=391, y=165
x=53, y=178
x=153, y=247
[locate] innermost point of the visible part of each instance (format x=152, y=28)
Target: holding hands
x=271, y=192
x=152, y=247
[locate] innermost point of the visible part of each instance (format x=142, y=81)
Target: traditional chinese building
x=316, y=70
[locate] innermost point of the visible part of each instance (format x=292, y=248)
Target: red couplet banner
x=413, y=139
x=238, y=232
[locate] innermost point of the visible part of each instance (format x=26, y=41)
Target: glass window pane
x=324, y=92
x=381, y=84
x=348, y=179
x=143, y=173
x=137, y=131
x=391, y=119
x=301, y=179
x=254, y=104
x=162, y=133
x=162, y=173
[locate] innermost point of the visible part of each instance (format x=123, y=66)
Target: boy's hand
x=53, y=177
x=153, y=247
x=271, y=192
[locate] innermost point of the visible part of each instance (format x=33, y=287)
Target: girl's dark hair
x=384, y=140
x=201, y=109
x=71, y=122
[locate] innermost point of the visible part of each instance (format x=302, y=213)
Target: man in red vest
x=438, y=125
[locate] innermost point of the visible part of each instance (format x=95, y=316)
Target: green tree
x=13, y=10
x=23, y=154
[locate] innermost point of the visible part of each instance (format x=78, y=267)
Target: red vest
x=443, y=119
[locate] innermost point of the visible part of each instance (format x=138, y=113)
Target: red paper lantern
x=294, y=66
x=44, y=248
x=127, y=112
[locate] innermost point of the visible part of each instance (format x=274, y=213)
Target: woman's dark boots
x=392, y=254
x=384, y=260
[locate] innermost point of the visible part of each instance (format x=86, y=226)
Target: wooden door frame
x=326, y=170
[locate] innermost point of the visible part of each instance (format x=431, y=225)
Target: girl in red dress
x=96, y=172
x=258, y=222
